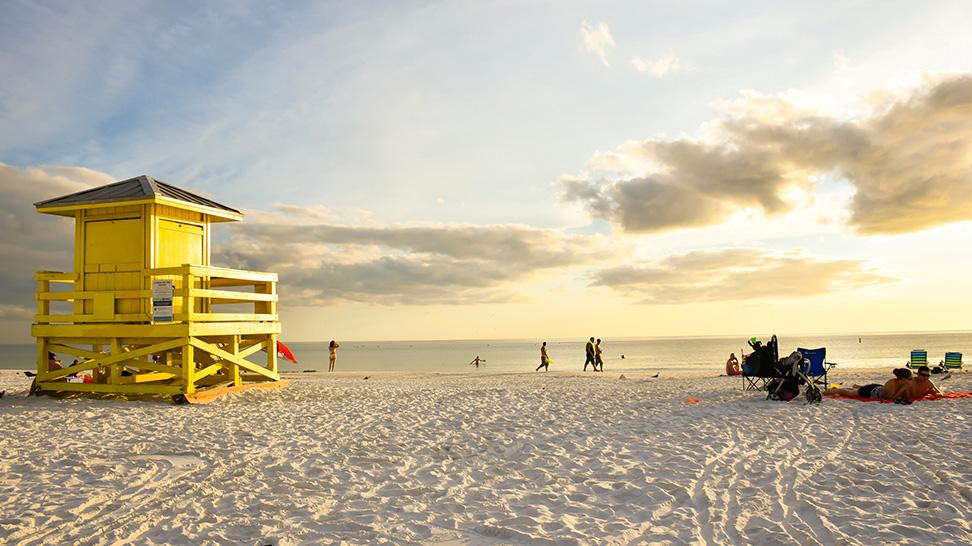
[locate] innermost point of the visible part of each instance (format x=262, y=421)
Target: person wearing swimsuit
x=589, y=352
x=332, y=348
x=922, y=386
x=894, y=389
x=598, y=361
x=544, y=359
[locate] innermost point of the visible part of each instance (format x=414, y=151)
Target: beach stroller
x=791, y=378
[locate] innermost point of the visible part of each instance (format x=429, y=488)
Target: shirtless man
x=589, y=354
x=922, y=386
x=544, y=359
x=894, y=389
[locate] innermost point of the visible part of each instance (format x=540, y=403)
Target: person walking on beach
x=589, y=351
x=332, y=347
x=598, y=361
x=544, y=359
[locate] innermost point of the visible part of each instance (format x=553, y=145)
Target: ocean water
x=647, y=354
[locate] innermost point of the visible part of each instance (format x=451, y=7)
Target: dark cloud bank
x=30, y=242
x=452, y=264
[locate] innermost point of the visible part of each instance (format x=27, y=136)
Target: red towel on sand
x=883, y=401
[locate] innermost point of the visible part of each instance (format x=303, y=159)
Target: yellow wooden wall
x=114, y=244
x=181, y=237
x=112, y=253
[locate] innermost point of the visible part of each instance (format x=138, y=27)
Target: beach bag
x=760, y=363
x=783, y=389
x=751, y=364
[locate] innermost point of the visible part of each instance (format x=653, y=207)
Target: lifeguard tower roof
x=141, y=189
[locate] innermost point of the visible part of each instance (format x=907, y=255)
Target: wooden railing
x=198, y=291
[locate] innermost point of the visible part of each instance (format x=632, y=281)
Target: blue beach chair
x=919, y=357
x=816, y=365
x=953, y=361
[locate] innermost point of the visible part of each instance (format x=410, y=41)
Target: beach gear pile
x=791, y=380
x=786, y=376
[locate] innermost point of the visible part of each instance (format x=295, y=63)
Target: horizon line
x=626, y=338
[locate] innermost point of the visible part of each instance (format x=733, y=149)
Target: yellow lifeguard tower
x=140, y=308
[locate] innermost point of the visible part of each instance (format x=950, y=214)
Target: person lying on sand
x=894, y=389
x=922, y=386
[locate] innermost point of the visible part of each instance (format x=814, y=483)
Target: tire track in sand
x=809, y=522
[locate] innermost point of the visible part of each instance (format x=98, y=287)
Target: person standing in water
x=332, y=347
x=589, y=352
x=544, y=359
x=598, y=361
x=477, y=361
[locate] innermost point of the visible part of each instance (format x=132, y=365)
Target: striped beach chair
x=919, y=357
x=953, y=361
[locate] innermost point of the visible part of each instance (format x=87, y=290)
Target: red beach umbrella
x=284, y=352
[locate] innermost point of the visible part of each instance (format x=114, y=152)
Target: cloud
x=31, y=242
x=283, y=213
x=658, y=68
x=15, y=312
x=908, y=159
x=736, y=274
x=318, y=260
x=409, y=264
x=597, y=40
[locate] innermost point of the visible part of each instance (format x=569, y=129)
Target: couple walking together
x=593, y=352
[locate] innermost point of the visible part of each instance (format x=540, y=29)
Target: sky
x=467, y=170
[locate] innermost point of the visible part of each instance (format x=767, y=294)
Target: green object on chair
x=919, y=357
x=953, y=361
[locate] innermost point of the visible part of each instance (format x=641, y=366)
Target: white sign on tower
x=162, y=300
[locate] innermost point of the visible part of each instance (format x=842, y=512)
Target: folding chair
x=919, y=357
x=755, y=382
x=953, y=361
x=816, y=365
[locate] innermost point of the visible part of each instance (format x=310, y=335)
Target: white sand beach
x=558, y=458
